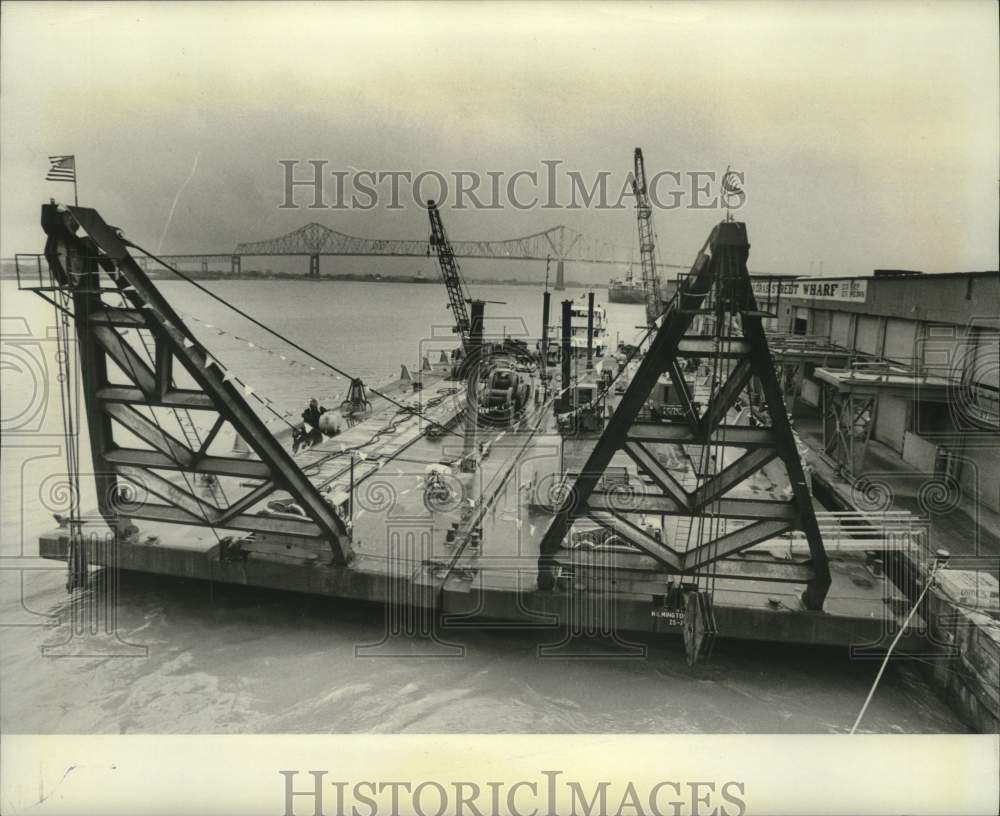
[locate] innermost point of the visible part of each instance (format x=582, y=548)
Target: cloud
x=860, y=127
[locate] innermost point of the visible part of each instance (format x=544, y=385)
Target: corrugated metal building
x=932, y=328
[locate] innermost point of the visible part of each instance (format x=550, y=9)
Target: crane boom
x=647, y=244
x=452, y=275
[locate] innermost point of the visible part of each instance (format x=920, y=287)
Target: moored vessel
x=578, y=332
x=626, y=290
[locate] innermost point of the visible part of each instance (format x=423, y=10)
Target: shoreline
x=407, y=279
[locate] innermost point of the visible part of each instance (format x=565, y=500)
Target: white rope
x=888, y=654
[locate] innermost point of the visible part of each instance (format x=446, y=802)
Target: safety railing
x=859, y=532
x=34, y=273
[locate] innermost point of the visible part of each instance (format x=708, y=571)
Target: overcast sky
x=867, y=132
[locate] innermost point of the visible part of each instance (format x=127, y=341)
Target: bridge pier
x=314, y=266
x=560, y=277
x=236, y=264
x=204, y=265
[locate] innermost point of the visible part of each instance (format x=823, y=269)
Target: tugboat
x=578, y=333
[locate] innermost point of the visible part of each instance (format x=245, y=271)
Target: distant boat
x=626, y=290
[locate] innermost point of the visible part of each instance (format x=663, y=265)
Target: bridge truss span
x=559, y=242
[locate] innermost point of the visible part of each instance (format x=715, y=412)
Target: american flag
x=731, y=183
x=63, y=168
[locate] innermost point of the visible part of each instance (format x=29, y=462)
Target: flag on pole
x=731, y=182
x=63, y=168
x=732, y=192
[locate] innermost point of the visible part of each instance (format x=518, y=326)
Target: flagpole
x=76, y=200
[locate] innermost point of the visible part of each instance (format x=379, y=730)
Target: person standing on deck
x=311, y=434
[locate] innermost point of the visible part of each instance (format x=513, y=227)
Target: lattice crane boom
x=458, y=297
x=647, y=241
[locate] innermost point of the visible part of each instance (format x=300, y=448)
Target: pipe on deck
x=546, y=300
x=590, y=330
x=567, y=349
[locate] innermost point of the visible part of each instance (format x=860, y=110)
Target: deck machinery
x=499, y=390
x=693, y=553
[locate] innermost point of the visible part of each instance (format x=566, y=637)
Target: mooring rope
x=930, y=582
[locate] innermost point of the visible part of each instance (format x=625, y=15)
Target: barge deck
x=354, y=516
x=409, y=554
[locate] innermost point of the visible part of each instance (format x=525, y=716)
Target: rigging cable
x=268, y=329
x=76, y=562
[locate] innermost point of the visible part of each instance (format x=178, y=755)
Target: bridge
x=314, y=240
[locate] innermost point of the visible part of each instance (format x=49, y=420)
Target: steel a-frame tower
x=149, y=385
x=723, y=450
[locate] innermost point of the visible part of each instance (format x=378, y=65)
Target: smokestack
x=472, y=370
x=472, y=351
x=590, y=330
x=476, y=329
x=567, y=347
x=546, y=299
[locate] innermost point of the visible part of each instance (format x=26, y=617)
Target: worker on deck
x=309, y=432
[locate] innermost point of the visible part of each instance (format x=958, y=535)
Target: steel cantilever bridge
x=559, y=244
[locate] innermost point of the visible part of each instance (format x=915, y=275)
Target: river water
x=199, y=658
